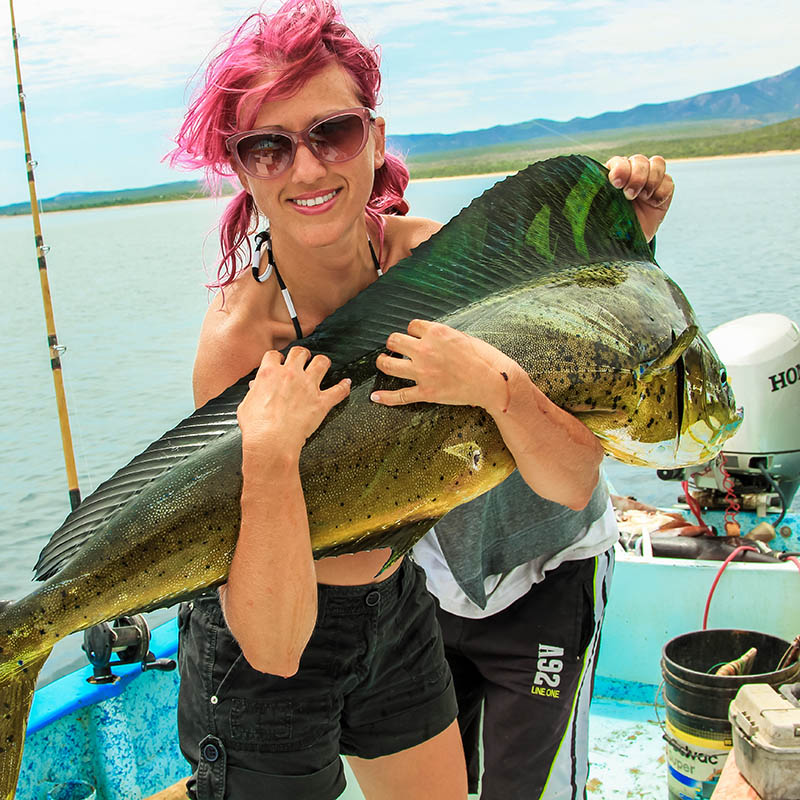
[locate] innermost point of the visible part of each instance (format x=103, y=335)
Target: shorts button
x=210, y=753
x=372, y=599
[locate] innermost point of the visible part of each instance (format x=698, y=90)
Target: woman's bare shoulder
x=232, y=342
x=403, y=234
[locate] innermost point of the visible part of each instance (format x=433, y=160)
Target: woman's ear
x=380, y=142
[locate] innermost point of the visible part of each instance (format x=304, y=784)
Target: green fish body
x=550, y=266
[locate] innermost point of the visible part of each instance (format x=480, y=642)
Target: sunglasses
x=269, y=152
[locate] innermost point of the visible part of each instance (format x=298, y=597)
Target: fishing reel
x=129, y=638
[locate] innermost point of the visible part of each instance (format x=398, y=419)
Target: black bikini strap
x=374, y=257
x=287, y=298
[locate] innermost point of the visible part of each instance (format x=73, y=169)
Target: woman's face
x=345, y=186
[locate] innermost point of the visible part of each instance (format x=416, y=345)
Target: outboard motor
x=762, y=355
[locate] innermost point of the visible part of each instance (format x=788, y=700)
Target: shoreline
x=669, y=161
x=412, y=180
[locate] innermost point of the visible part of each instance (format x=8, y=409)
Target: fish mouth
x=703, y=440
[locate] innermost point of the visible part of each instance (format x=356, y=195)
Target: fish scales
x=395, y=469
x=550, y=266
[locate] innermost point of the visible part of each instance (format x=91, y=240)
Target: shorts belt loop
x=211, y=768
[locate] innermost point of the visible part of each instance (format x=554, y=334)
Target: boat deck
x=627, y=756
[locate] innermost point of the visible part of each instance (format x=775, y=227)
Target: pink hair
x=300, y=39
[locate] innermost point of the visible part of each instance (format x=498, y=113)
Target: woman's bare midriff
x=356, y=569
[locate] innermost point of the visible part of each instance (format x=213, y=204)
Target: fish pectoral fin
x=16, y=691
x=662, y=363
x=603, y=423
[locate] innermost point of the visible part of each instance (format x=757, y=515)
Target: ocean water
x=127, y=288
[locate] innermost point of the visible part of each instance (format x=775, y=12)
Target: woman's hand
x=555, y=453
x=644, y=181
x=447, y=366
x=285, y=404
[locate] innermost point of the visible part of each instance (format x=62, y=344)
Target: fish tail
x=17, y=682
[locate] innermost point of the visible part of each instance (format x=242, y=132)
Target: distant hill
x=676, y=143
x=67, y=201
x=767, y=100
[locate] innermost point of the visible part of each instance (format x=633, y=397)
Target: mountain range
x=763, y=101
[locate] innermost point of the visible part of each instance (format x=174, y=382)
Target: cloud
x=379, y=18
x=151, y=44
x=662, y=51
x=147, y=119
x=146, y=44
x=449, y=65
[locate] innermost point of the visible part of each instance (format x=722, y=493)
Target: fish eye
x=476, y=459
x=723, y=375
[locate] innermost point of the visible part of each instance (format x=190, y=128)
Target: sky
x=106, y=84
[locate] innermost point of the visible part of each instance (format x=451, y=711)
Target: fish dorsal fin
x=205, y=425
x=541, y=223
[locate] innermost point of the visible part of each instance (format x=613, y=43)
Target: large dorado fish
x=549, y=266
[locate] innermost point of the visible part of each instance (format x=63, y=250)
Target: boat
x=111, y=727
x=121, y=737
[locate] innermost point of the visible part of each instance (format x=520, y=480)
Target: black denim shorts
x=372, y=681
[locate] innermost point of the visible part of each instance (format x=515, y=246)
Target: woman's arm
x=270, y=599
x=557, y=455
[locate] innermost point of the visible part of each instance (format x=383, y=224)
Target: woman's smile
x=315, y=202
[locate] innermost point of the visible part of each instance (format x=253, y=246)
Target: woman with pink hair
x=294, y=661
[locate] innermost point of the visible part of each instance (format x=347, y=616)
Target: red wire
x=794, y=560
x=694, y=506
x=725, y=563
x=730, y=497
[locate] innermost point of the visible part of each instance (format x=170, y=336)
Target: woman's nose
x=307, y=168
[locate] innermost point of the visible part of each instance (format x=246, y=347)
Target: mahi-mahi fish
x=550, y=266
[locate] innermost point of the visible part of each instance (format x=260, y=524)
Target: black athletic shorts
x=372, y=681
x=530, y=669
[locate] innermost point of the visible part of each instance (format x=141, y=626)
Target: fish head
x=709, y=414
x=674, y=410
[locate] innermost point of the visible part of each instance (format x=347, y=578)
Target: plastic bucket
x=72, y=790
x=698, y=734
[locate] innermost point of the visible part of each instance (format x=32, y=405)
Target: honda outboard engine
x=762, y=355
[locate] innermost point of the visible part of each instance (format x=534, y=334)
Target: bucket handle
x=659, y=691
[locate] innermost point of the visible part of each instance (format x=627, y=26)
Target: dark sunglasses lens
x=265, y=155
x=340, y=138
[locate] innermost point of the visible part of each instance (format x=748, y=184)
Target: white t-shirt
x=503, y=590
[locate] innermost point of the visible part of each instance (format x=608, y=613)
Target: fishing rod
x=41, y=249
